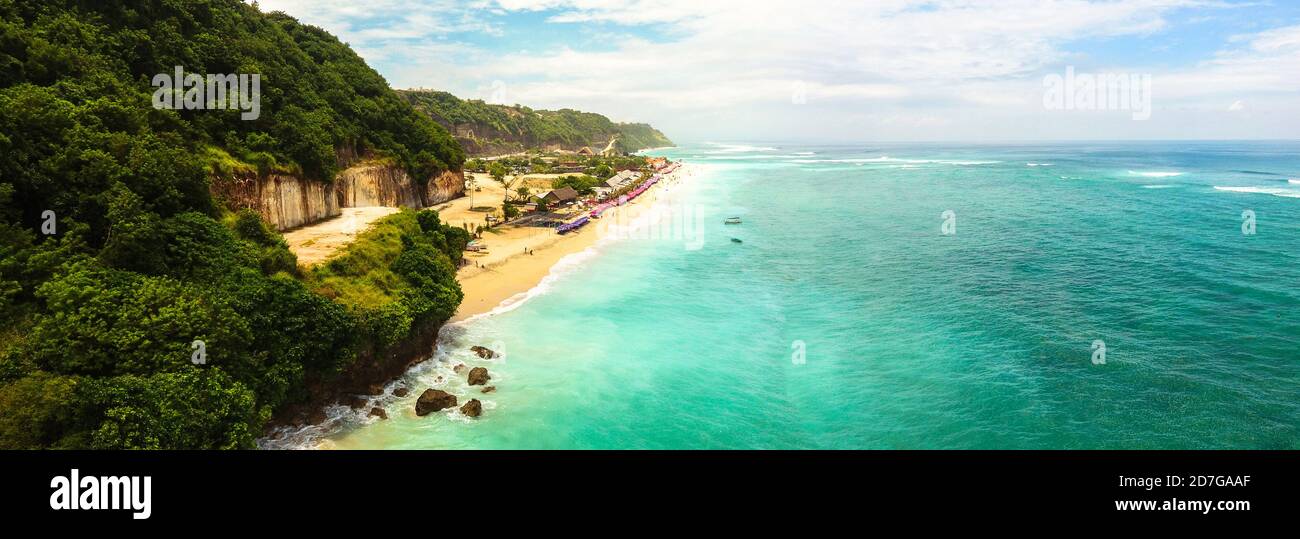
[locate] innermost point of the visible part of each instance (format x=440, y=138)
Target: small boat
x=736, y=240
x=732, y=221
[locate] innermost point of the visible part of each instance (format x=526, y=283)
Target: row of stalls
x=599, y=209
x=573, y=225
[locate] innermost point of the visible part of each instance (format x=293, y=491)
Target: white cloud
x=886, y=68
x=1266, y=63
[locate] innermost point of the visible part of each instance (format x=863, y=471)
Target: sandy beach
x=519, y=257
x=516, y=258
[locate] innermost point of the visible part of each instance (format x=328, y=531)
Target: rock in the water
x=478, y=376
x=473, y=408
x=489, y=389
x=433, y=400
x=354, y=401
x=459, y=367
x=483, y=352
x=378, y=412
x=401, y=392
x=375, y=389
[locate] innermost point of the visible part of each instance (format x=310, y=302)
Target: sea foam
x=888, y=159
x=1156, y=174
x=736, y=148
x=1278, y=192
x=565, y=266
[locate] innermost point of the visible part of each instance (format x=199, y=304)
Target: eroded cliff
x=287, y=201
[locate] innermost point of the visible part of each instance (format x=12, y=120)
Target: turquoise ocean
x=913, y=296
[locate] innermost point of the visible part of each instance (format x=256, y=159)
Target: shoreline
x=505, y=277
x=492, y=282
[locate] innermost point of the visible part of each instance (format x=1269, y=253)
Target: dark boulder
x=489, y=389
x=433, y=400
x=478, y=376
x=483, y=352
x=354, y=401
x=401, y=392
x=473, y=408
x=378, y=412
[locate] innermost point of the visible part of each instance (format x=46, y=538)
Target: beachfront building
x=563, y=195
x=622, y=179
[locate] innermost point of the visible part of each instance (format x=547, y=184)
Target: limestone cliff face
x=289, y=201
x=377, y=185
x=284, y=201
x=382, y=185
x=446, y=186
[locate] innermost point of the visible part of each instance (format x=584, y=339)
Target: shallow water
x=911, y=338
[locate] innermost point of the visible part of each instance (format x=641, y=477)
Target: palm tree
x=509, y=185
x=471, y=183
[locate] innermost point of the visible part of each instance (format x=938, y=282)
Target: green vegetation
x=399, y=273
x=509, y=211
x=498, y=171
x=111, y=333
x=534, y=163
x=100, y=317
x=634, y=137
x=500, y=128
x=584, y=185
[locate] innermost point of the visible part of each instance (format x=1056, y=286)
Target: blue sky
x=1192, y=35
x=845, y=69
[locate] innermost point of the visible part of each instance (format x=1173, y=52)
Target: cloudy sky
x=857, y=70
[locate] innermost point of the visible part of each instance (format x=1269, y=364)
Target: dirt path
x=317, y=242
x=609, y=148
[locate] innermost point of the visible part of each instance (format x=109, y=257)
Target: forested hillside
x=484, y=129
x=115, y=259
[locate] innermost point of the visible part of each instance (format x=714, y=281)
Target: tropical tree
x=498, y=171
x=471, y=184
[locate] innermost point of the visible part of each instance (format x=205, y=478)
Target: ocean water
x=847, y=318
